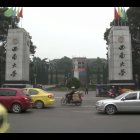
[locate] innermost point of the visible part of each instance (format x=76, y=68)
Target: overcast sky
x=68, y=31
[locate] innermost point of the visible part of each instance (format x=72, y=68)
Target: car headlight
x=100, y=103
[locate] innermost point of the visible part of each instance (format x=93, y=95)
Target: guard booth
x=101, y=90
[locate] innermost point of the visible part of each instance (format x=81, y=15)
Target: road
x=73, y=119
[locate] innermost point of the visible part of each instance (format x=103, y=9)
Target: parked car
x=128, y=101
x=15, y=99
x=4, y=124
x=40, y=97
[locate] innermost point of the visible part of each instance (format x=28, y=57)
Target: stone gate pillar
x=17, y=56
x=120, y=56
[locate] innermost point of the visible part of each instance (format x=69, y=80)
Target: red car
x=15, y=99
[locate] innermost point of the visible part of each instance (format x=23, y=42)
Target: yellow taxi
x=40, y=97
x=4, y=125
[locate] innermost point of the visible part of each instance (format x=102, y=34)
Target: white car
x=129, y=101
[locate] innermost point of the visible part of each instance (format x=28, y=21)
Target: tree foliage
x=106, y=35
x=39, y=70
x=134, y=25
x=64, y=65
x=73, y=82
x=95, y=64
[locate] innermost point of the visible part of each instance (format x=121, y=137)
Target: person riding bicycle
x=69, y=95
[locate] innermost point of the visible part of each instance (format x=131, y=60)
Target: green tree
x=105, y=73
x=88, y=75
x=39, y=71
x=98, y=76
x=64, y=65
x=45, y=65
x=96, y=69
x=133, y=14
x=64, y=68
x=56, y=77
x=73, y=82
x=51, y=74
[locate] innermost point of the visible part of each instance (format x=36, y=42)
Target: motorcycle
x=76, y=99
x=111, y=94
x=114, y=94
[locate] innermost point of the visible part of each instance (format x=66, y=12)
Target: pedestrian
x=98, y=89
x=86, y=90
x=70, y=94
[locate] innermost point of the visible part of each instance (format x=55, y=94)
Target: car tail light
x=28, y=99
x=50, y=96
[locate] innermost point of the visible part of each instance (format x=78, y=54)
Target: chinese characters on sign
x=13, y=74
x=122, y=55
x=122, y=64
x=14, y=56
x=14, y=65
x=14, y=49
x=122, y=47
x=119, y=55
x=17, y=55
x=122, y=72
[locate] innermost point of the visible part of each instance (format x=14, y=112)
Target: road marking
x=87, y=111
x=58, y=97
x=84, y=99
x=72, y=107
x=89, y=106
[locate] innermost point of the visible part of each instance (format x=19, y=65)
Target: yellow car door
x=36, y=98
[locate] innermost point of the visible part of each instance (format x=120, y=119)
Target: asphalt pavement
x=73, y=119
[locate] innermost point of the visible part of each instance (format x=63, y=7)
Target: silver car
x=129, y=101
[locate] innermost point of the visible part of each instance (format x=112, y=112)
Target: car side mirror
x=123, y=99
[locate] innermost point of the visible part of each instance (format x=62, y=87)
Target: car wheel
x=110, y=109
x=16, y=108
x=78, y=103
x=39, y=104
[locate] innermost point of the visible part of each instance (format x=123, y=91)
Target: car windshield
x=120, y=96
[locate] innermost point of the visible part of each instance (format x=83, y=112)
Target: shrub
x=73, y=82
